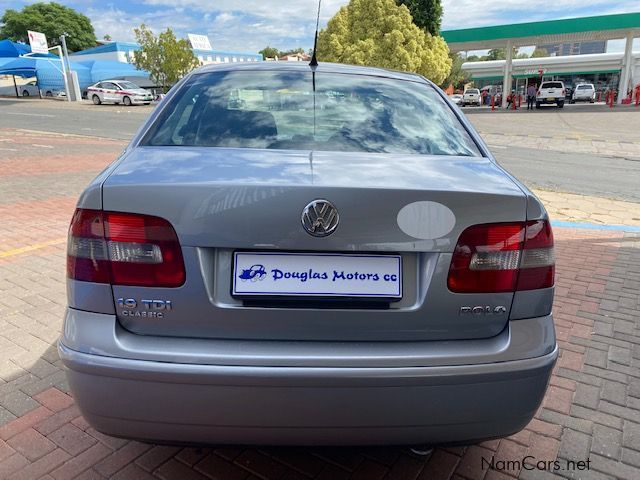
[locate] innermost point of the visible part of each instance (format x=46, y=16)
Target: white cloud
x=250, y=25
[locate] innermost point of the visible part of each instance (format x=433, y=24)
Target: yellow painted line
x=31, y=248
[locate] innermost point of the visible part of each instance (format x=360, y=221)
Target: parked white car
x=471, y=97
x=27, y=90
x=118, y=91
x=584, y=92
x=456, y=98
x=551, y=92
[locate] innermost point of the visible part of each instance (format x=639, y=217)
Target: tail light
x=124, y=249
x=503, y=257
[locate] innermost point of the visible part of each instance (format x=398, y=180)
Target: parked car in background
x=550, y=93
x=54, y=93
x=456, y=98
x=118, y=91
x=471, y=96
x=584, y=92
x=343, y=272
x=29, y=89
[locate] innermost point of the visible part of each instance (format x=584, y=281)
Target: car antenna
x=313, y=64
x=314, y=57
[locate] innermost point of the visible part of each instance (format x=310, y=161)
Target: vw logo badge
x=320, y=218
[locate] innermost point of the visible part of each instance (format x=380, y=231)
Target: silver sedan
x=327, y=255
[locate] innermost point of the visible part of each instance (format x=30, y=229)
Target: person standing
x=531, y=96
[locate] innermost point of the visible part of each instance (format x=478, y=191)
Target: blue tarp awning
x=49, y=71
x=15, y=49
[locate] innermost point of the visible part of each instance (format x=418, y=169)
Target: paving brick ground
x=591, y=411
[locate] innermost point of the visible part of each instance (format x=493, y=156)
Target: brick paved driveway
x=591, y=412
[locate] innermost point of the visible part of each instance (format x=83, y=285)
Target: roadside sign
x=199, y=42
x=38, y=42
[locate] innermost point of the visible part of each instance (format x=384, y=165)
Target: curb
x=596, y=226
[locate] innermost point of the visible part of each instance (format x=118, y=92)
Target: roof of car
x=322, y=67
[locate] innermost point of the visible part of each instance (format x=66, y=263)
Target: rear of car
x=584, y=92
x=335, y=259
x=471, y=96
x=551, y=93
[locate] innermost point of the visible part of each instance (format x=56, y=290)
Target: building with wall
x=622, y=67
x=124, y=52
x=603, y=70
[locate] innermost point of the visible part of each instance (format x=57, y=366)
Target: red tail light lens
x=124, y=249
x=537, y=268
x=503, y=257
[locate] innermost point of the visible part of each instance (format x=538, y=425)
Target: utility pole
x=73, y=92
x=65, y=66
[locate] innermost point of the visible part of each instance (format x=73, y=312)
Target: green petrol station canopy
x=603, y=27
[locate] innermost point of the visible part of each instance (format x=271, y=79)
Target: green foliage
x=457, y=77
x=53, y=20
x=166, y=58
x=269, y=52
x=382, y=34
x=427, y=14
x=496, y=54
x=539, y=52
x=272, y=52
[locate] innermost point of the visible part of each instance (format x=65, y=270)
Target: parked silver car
x=118, y=91
x=337, y=259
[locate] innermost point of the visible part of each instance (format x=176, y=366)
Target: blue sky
x=250, y=25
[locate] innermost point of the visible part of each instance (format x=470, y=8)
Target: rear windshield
x=585, y=87
x=551, y=85
x=279, y=110
x=473, y=91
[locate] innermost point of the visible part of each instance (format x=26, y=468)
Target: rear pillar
x=506, y=82
x=627, y=66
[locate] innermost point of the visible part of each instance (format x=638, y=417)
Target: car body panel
x=310, y=394
x=216, y=200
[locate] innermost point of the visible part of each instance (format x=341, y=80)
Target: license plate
x=317, y=275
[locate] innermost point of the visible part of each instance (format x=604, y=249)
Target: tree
x=272, y=52
x=427, y=14
x=166, y=58
x=269, y=52
x=457, y=77
x=501, y=54
x=496, y=54
x=107, y=38
x=53, y=20
x=539, y=52
x=382, y=34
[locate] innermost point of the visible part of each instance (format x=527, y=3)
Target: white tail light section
x=124, y=249
x=503, y=257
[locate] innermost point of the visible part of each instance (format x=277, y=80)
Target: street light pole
x=65, y=66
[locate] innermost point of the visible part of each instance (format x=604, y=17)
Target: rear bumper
x=305, y=405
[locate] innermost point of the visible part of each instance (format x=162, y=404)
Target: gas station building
x=619, y=71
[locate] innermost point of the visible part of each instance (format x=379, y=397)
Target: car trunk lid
x=221, y=201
